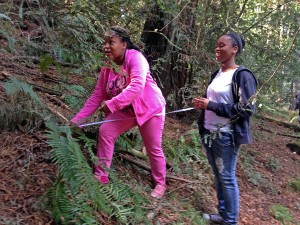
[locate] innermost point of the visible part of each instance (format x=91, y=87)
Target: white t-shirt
x=219, y=91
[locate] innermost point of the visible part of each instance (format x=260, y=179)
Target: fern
x=10, y=39
x=61, y=206
x=89, y=144
x=2, y=16
x=14, y=86
x=46, y=62
x=23, y=101
x=21, y=14
x=81, y=196
x=75, y=100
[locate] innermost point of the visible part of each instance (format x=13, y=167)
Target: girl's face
x=225, y=50
x=114, y=48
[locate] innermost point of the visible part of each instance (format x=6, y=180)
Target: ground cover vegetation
x=50, y=59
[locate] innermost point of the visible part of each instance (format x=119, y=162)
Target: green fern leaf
x=10, y=39
x=46, y=62
x=13, y=86
x=60, y=205
x=83, y=192
x=2, y=16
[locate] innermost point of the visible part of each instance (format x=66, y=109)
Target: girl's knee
x=105, y=132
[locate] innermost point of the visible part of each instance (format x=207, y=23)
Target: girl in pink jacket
x=131, y=96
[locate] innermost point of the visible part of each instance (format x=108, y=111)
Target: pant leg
x=225, y=156
x=212, y=162
x=151, y=133
x=108, y=134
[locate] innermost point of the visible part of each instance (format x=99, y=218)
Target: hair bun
x=238, y=40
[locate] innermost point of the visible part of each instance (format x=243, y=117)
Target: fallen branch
x=58, y=101
x=4, y=75
x=134, y=153
x=44, y=89
x=177, y=188
x=141, y=155
x=58, y=114
x=148, y=168
x=280, y=123
x=278, y=133
x=37, y=60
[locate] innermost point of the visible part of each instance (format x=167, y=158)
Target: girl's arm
x=94, y=101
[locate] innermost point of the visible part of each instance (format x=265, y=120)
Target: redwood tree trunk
x=174, y=72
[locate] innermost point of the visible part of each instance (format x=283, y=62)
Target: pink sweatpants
x=151, y=132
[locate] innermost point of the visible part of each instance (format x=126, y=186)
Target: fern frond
x=2, y=16
x=25, y=102
x=13, y=86
x=10, y=39
x=90, y=144
x=60, y=205
x=45, y=63
x=85, y=194
x=21, y=10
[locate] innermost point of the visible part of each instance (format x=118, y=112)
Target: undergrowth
x=256, y=178
x=276, y=112
x=23, y=108
x=185, y=152
x=76, y=197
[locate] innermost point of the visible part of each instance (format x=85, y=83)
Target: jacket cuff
x=112, y=106
x=212, y=106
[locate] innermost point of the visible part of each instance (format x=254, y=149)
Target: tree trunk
x=169, y=44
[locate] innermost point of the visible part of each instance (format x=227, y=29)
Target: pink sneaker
x=102, y=179
x=159, y=191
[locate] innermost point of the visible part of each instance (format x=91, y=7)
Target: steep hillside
x=268, y=171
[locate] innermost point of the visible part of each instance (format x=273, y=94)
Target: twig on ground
x=148, y=168
x=58, y=114
x=58, y=101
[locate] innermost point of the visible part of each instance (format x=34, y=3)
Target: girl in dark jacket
x=224, y=123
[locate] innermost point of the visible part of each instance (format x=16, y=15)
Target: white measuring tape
x=159, y=114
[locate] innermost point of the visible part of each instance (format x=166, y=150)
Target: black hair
x=238, y=41
x=123, y=34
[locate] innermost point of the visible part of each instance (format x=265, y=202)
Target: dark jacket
x=297, y=101
x=244, y=86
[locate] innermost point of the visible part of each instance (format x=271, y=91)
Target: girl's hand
x=104, y=109
x=200, y=103
x=73, y=126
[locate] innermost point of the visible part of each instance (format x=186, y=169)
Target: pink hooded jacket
x=141, y=91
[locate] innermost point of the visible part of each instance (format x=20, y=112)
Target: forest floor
x=265, y=168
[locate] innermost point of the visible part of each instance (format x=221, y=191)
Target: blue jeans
x=222, y=156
